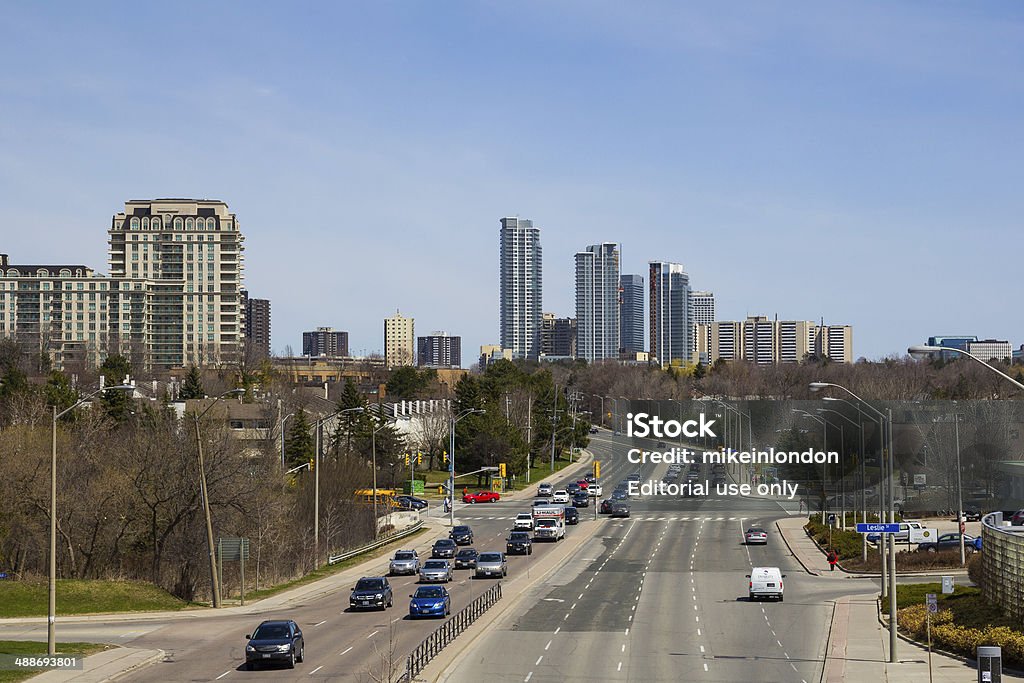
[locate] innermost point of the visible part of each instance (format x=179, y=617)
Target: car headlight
x=378, y=596
x=438, y=605
x=284, y=648
x=250, y=648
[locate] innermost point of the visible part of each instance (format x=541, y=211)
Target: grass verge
x=964, y=621
x=28, y=648
x=77, y=596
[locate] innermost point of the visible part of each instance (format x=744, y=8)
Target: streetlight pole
x=316, y=477
x=451, y=459
x=51, y=621
x=924, y=350
x=204, y=494
x=864, y=510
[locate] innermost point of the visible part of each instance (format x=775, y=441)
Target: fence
x=382, y=541
x=1002, y=565
x=449, y=631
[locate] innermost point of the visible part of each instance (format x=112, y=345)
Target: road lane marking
x=345, y=650
x=705, y=666
x=623, y=647
x=557, y=630
x=537, y=663
x=702, y=648
x=222, y=675
x=372, y=635
x=320, y=622
x=620, y=667
x=627, y=632
x=548, y=645
x=316, y=669
x=528, y=677
x=698, y=632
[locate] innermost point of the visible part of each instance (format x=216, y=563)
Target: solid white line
x=538, y=660
x=316, y=669
x=320, y=622
x=372, y=635
x=222, y=675
x=350, y=647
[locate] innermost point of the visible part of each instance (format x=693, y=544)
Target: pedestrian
x=833, y=558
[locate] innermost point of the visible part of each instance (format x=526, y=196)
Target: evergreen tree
x=59, y=392
x=192, y=387
x=299, y=445
x=699, y=371
x=116, y=370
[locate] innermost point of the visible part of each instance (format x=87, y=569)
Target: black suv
x=519, y=543
x=581, y=500
x=572, y=516
x=371, y=591
x=443, y=549
x=462, y=535
x=275, y=641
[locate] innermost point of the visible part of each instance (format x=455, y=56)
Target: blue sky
x=858, y=162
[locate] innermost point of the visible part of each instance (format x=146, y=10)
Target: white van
x=765, y=582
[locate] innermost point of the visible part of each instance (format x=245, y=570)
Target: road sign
x=831, y=519
x=878, y=528
x=947, y=584
x=923, y=535
x=932, y=602
x=920, y=479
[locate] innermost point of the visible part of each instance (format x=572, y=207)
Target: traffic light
x=444, y=456
x=501, y=470
x=597, y=469
x=406, y=458
x=419, y=457
x=311, y=464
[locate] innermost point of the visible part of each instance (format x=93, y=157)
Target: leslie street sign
x=878, y=528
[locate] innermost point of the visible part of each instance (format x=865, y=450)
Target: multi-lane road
x=659, y=596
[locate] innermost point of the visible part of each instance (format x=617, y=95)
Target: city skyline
x=760, y=149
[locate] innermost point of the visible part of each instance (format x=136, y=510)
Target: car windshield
x=755, y=530
x=490, y=557
x=269, y=631
x=524, y=515
x=404, y=556
x=429, y=592
x=369, y=584
x=447, y=542
x=519, y=536
x=435, y=564
x=460, y=529
x=467, y=552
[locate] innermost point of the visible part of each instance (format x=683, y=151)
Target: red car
x=481, y=497
x=583, y=484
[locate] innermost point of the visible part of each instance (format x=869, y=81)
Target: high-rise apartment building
x=763, y=341
x=439, y=350
x=257, y=325
x=325, y=341
x=671, y=323
x=597, y=302
x=520, y=287
x=399, y=341
x=702, y=309
x=558, y=337
x=631, y=314
x=834, y=342
x=173, y=297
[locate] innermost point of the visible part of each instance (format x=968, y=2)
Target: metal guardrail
x=449, y=631
x=1002, y=564
x=380, y=542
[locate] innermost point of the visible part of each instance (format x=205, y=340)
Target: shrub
x=948, y=634
x=974, y=572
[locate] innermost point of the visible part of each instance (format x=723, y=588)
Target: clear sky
x=859, y=162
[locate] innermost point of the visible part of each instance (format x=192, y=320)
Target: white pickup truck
x=548, y=523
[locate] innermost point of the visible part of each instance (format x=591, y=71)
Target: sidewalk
x=858, y=650
x=104, y=666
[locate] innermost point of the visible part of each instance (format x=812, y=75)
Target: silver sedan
x=436, y=570
x=491, y=564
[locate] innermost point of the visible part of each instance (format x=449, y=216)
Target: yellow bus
x=384, y=497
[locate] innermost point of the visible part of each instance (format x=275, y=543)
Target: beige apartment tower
x=761, y=340
x=399, y=341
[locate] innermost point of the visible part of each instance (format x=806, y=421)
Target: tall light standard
x=886, y=446
x=451, y=458
x=204, y=494
x=51, y=622
x=824, y=468
x=863, y=502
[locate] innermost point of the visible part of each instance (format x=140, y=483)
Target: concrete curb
x=834, y=668
x=156, y=656
x=793, y=553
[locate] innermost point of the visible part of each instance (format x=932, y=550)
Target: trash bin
x=990, y=664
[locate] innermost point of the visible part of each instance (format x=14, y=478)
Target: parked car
x=370, y=591
x=524, y=520
x=902, y=535
x=581, y=500
x=519, y=543
x=606, y=507
x=482, y=497
x=436, y=570
x=461, y=534
x=593, y=430
x=950, y=541
x=491, y=564
x=972, y=513
x=572, y=515
x=411, y=503
x=466, y=558
x=404, y=562
x=1017, y=519
x=430, y=601
x=275, y=641
x=755, y=535
x=443, y=548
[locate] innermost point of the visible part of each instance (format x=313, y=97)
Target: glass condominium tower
x=520, y=290
x=597, y=302
x=671, y=322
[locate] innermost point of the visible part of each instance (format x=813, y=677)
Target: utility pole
x=529, y=434
x=554, y=425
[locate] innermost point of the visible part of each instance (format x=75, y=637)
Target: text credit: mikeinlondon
x=739, y=463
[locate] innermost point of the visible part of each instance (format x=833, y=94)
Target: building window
x=178, y=223
x=189, y=224
x=156, y=223
x=134, y=223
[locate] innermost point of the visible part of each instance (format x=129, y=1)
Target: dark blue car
x=430, y=601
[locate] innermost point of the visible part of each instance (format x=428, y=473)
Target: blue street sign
x=878, y=528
